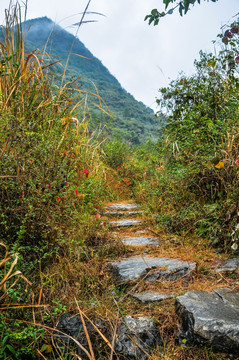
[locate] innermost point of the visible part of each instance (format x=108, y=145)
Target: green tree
x=183, y=7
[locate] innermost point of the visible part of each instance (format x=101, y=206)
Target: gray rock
x=122, y=213
x=123, y=207
x=151, y=296
x=210, y=319
x=136, y=267
x=140, y=241
x=229, y=297
x=228, y=265
x=137, y=338
x=125, y=222
x=71, y=333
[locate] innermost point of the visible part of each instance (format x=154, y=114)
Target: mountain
x=132, y=120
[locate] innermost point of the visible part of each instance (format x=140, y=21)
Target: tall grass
x=51, y=173
x=52, y=182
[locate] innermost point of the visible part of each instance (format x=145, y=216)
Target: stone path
x=206, y=318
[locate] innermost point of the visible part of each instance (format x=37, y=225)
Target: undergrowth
x=53, y=184
x=55, y=178
x=189, y=181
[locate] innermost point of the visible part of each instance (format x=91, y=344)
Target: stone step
x=122, y=207
x=230, y=265
x=151, y=296
x=140, y=241
x=150, y=268
x=125, y=223
x=122, y=213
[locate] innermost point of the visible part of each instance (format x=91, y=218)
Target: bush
x=51, y=174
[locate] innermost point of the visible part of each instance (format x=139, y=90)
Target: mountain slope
x=133, y=121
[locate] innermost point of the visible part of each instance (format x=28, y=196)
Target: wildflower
x=49, y=186
x=86, y=172
x=58, y=199
x=97, y=216
x=228, y=34
x=80, y=196
x=126, y=181
x=234, y=29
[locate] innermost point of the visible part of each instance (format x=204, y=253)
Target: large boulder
x=137, y=337
x=210, y=319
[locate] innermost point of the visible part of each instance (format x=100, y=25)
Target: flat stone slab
x=140, y=241
x=151, y=296
x=210, y=319
x=125, y=223
x=150, y=268
x=228, y=265
x=122, y=213
x=137, y=337
x=123, y=207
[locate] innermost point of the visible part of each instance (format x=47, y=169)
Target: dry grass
x=77, y=276
x=205, y=278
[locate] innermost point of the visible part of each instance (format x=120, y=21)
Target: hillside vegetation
x=130, y=119
x=57, y=172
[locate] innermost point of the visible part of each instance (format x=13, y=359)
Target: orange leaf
x=220, y=165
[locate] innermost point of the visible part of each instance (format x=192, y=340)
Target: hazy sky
x=143, y=58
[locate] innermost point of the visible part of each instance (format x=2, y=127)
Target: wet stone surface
x=137, y=338
x=151, y=296
x=140, y=241
x=125, y=223
x=210, y=319
x=228, y=265
x=150, y=268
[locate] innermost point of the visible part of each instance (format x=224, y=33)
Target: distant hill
x=133, y=121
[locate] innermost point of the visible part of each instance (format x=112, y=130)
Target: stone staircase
x=204, y=317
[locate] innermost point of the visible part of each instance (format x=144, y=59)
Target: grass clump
x=52, y=184
x=51, y=174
